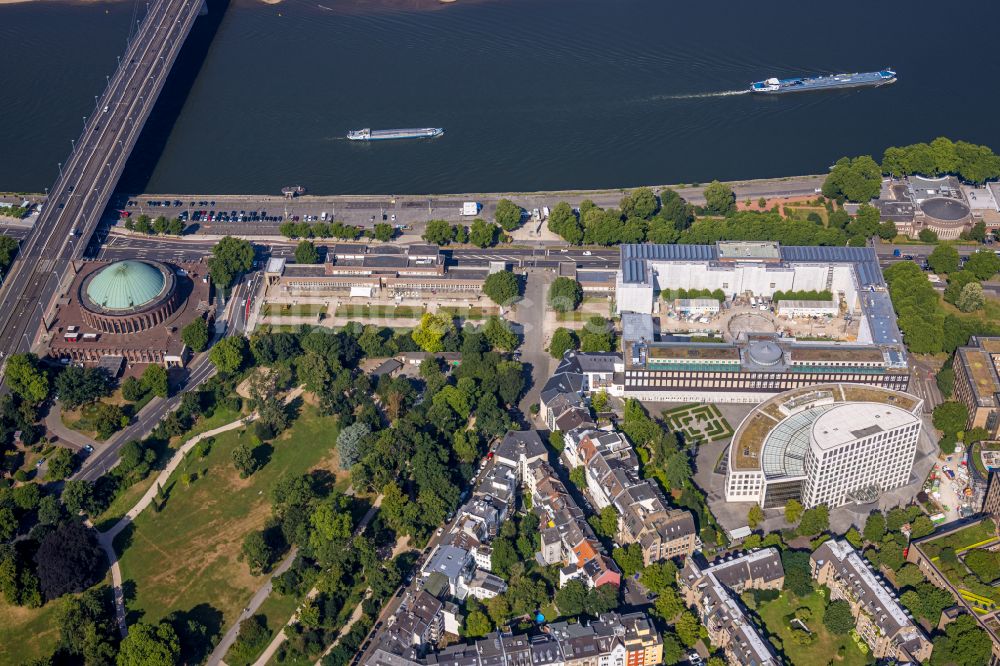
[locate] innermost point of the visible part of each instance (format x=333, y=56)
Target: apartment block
x=880, y=620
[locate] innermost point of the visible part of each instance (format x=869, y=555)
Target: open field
x=698, y=423
x=27, y=633
x=470, y=313
x=128, y=497
x=826, y=649
x=185, y=556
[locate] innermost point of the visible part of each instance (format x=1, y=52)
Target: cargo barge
x=383, y=135
x=774, y=86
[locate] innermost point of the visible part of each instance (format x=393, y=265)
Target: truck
x=470, y=208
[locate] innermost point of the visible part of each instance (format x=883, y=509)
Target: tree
x=928, y=236
x=972, y=298
x=984, y=563
x=8, y=524
x=815, y=520
x=944, y=259
x=68, y=560
x=950, y=417
x=838, y=618
x=571, y=598
x=60, y=464
x=508, y=215
x=563, y=340
x=228, y=354
x=482, y=233
x=719, y=198
x=564, y=222
x=909, y=575
x=350, y=444
x=26, y=379
x=597, y=335
x=244, y=460
x=874, y=527
x=984, y=264
x=77, y=386
x=798, y=575
x=964, y=643
x=107, y=420
x=258, y=552
x=500, y=334
x=383, y=232
x=502, y=287
x=565, y=294
x=306, y=253
x=755, y=516
x=195, y=335
x=605, y=524
x=430, y=334
x=793, y=511
x=230, y=257
x=639, y=204
x=147, y=645
x=477, y=624
x=132, y=389
x=155, y=380
x=250, y=640
x=438, y=232
x=629, y=559
x=688, y=629
x=887, y=230
x=78, y=495
x=858, y=179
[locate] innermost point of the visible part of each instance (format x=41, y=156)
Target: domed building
x=129, y=296
x=132, y=310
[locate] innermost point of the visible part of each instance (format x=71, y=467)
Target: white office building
x=829, y=444
x=859, y=449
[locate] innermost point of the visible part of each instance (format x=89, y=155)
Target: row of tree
x=160, y=226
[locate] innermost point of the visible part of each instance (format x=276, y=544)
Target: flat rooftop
x=846, y=423
x=836, y=354
x=694, y=352
x=980, y=366
x=751, y=250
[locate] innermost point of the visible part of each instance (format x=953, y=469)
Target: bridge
x=89, y=175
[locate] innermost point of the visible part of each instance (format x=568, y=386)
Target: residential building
x=977, y=383
x=565, y=536
x=714, y=592
x=880, y=621
x=825, y=444
x=611, y=470
x=520, y=448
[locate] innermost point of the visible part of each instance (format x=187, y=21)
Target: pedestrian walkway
x=106, y=539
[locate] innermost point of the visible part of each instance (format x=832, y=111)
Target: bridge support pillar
x=204, y=8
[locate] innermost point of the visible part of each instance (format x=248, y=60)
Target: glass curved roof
x=784, y=450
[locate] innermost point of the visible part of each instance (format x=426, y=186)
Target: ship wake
x=721, y=93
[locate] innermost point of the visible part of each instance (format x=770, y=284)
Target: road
x=409, y=209
x=87, y=180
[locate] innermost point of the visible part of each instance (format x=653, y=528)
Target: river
x=533, y=94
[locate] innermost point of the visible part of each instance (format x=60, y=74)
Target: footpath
x=106, y=539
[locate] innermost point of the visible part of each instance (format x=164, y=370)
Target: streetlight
x=73, y=143
x=60, y=170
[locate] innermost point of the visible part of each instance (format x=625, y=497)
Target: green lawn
x=186, y=554
x=127, y=498
x=472, y=313
x=825, y=649
x=379, y=312
x=29, y=633
x=293, y=310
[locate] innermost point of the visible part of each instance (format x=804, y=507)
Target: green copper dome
x=125, y=285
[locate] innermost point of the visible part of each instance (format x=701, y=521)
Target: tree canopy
x=508, y=215
x=858, y=179
x=972, y=163
x=503, y=287
x=230, y=257
x=195, y=335
x=26, y=379
x=306, y=253
x=565, y=294
x=719, y=198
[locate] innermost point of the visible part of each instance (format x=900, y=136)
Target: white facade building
x=836, y=443
x=858, y=446
x=808, y=308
